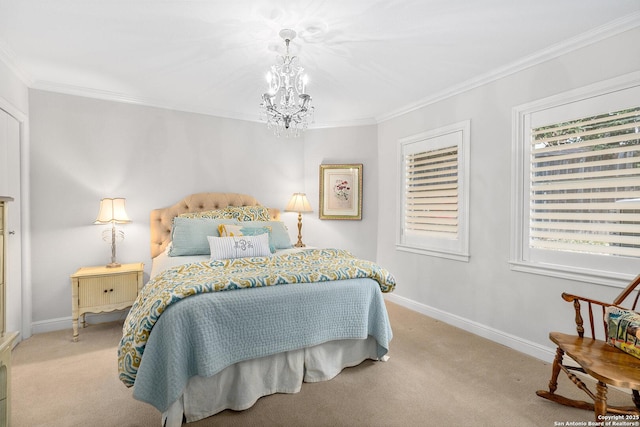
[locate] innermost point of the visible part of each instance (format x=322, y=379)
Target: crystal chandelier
x=286, y=107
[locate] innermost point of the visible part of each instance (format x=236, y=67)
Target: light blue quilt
x=203, y=334
x=186, y=280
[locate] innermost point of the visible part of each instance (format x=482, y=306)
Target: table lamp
x=299, y=203
x=112, y=211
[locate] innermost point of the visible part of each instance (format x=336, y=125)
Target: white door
x=10, y=186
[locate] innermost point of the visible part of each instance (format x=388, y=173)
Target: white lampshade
x=112, y=211
x=298, y=203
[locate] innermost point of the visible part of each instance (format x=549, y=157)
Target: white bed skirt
x=239, y=386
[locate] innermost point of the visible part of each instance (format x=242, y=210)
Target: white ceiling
x=366, y=59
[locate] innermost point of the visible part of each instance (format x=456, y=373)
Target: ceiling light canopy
x=286, y=107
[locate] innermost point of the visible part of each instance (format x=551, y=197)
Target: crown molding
x=593, y=36
x=106, y=95
x=346, y=123
x=149, y=102
x=7, y=57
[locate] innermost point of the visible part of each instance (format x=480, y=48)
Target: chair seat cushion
x=623, y=329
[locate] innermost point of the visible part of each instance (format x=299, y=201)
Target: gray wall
x=484, y=295
x=84, y=149
x=340, y=146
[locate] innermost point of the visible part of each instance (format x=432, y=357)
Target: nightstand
x=102, y=289
x=6, y=344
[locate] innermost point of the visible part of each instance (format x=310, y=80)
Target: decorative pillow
x=226, y=230
x=239, y=246
x=279, y=236
x=240, y=213
x=247, y=213
x=189, y=235
x=623, y=330
x=214, y=214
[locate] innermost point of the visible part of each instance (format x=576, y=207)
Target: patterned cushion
x=248, y=213
x=214, y=214
x=226, y=230
x=239, y=246
x=623, y=330
x=240, y=213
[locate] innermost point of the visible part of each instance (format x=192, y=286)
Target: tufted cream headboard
x=162, y=219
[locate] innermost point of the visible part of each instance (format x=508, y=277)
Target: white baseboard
x=62, y=323
x=50, y=325
x=524, y=346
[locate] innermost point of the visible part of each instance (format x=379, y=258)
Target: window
x=577, y=194
x=434, y=181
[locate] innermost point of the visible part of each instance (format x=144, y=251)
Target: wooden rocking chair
x=607, y=364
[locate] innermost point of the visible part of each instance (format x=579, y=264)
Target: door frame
x=25, y=226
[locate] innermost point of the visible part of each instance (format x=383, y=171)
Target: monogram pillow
x=239, y=246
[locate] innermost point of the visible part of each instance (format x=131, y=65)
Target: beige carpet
x=437, y=375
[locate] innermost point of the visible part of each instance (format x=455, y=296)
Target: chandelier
x=286, y=107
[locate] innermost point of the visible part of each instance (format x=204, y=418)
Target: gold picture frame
x=341, y=191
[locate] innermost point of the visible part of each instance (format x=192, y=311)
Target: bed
x=232, y=312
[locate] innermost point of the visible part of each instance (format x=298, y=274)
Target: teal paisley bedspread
x=177, y=283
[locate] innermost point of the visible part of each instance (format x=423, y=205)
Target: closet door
x=10, y=186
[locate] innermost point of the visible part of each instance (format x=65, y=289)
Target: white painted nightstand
x=102, y=289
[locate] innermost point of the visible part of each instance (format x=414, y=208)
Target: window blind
x=431, y=202
x=585, y=185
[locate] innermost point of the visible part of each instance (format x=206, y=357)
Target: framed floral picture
x=341, y=191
